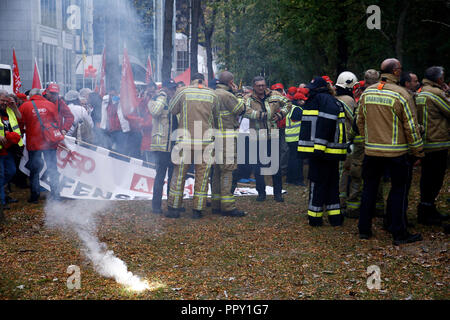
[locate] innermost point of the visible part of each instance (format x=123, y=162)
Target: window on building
x=48, y=13
x=68, y=62
x=49, y=63
x=182, y=60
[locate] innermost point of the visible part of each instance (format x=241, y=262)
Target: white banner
x=95, y=173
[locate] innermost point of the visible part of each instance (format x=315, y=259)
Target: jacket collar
x=427, y=82
x=223, y=87
x=195, y=83
x=267, y=94
x=390, y=78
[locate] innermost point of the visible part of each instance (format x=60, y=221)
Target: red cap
x=22, y=96
x=292, y=90
x=53, y=87
x=304, y=91
x=277, y=86
x=327, y=79
x=300, y=96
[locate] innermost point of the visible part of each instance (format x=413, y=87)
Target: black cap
x=169, y=84
x=317, y=82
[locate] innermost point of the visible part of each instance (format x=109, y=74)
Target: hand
x=3, y=141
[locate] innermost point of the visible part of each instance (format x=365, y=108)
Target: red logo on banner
x=75, y=160
x=142, y=184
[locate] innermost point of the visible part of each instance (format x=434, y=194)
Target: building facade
x=50, y=31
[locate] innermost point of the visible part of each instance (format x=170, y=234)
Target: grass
x=272, y=253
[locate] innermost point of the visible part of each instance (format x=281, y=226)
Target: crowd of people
x=355, y=136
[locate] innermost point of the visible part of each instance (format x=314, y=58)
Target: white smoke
x=81, y=217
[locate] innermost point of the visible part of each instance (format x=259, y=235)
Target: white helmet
x=346, y=80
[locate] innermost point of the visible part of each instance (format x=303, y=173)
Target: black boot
x=233, y=213
x=315, y=221
x=2, y=216
x=172, y=213
x=261, y=197
x=216, y=211
x=407, y=238
x=278, y=198
x=197, y=214
x=336, y=220
x=426, y=216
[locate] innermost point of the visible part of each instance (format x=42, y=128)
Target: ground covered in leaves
x=271, y=253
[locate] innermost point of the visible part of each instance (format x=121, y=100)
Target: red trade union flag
x=185, y=77
x=37, y=84
x=128, y=93
x=16, y=76
x=149, y=73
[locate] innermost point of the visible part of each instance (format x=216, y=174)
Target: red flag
x=149, y=74
x=128, y=92
x=102, y=89
x=16, y=76
x=37, y=84
x=185, y=77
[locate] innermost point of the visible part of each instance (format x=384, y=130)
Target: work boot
x=437, y=214
x=365, y=236
x=216, y=211
x=197, y=214
x=8, y=199
x=351, y=213
x=233, y=213
x=261, y=197
x=278, y=198
x=315, y=221
x=34, y=198
x=336, y=220
x=172, y=213
x=427, y=216
x=2, y=215
x=156, y=210
x=407, y=238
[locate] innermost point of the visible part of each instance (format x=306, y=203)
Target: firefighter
x=226, y=125
x=389, y=127
x=323, y=141
x=295, y=168
x=344, y=93
x=196, y=106
x=277, y=107
x=434, y=114
x=163, y=124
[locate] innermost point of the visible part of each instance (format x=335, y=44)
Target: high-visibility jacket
x=292, y=130
x=226, y=122
x=196, y=106
x=434, y=114
x=322, y=133
x=14, y=126
x=349, y=109
x=387, y=122
x=162, y=123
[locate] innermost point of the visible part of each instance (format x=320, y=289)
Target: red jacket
x=141, y=120
x=30, y=125
x=65, y=116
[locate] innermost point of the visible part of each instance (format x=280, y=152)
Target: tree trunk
x=209, y=30
x=401, y=31
x=194, y=36
x=227, y=36
x=167, y=41
x=112, y=68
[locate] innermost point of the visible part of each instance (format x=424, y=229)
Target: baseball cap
x=169, y=84
x=53, y=87
x=277, y=86
x=317, y=82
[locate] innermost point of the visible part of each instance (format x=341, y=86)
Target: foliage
x=293, y=40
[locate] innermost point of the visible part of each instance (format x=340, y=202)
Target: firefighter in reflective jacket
x=292, y=132
x=196, y=106
x=323, y=140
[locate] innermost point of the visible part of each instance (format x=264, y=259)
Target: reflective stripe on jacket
x=434, y=114
x=292, y=130
x=14, y=126
x=387, y=122
x=322, y=133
